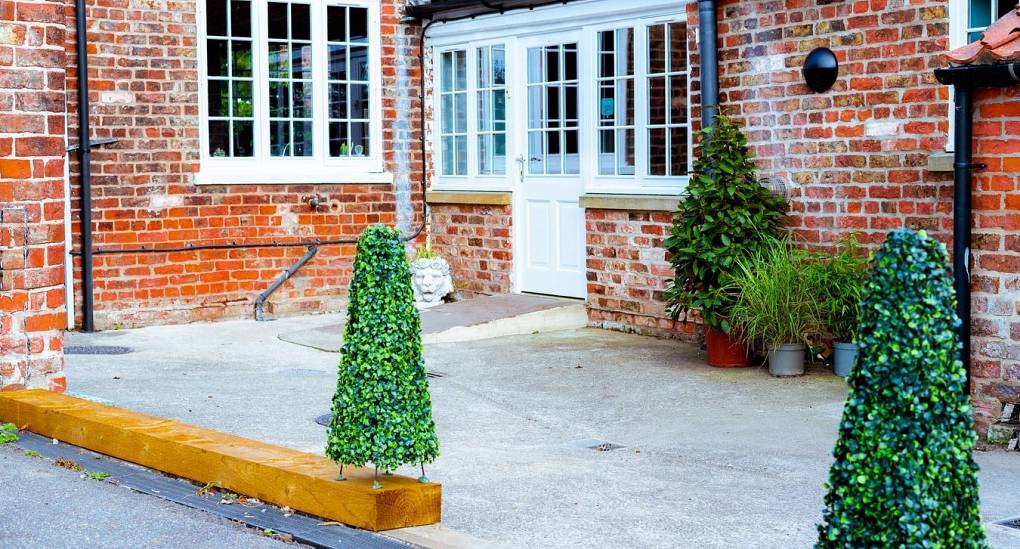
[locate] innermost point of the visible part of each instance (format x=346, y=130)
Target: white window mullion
x=641, y=102
x=471, y=65
x=260, y=13
x=320, y=59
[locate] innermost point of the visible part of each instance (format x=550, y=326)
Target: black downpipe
x=84, y=159
x=284, y=277
x=965, y=79
x=708, y=46
x=962, y=171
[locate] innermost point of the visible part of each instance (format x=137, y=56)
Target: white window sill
x=324, y=176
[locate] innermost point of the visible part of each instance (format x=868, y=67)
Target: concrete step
x=474, y=319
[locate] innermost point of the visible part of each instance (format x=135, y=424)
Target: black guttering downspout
x=84, y=153
x=965, y=79
x=708, y=47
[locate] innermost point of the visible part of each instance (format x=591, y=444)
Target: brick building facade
x=216, y=144
x=32, y=72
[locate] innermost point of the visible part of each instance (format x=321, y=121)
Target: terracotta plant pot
x=725, y=351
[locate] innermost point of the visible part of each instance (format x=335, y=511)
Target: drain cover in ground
x=96, y=350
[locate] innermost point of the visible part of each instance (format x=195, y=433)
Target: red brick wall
x=996, y=251
x=475, y=240
x=32, y=312
x=628, y=271
x=144, y=84
x=855, y=156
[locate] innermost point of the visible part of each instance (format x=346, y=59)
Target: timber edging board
x=304, y=482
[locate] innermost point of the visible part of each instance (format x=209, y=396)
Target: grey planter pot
x=787, y=360
x=844, y=358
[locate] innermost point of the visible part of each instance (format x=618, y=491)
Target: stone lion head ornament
x=431, y=281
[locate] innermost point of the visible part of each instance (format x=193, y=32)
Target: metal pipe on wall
x=84, y=153
x=708, y=46
x=962, y=172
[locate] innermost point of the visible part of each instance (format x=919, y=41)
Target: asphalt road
x=43, y=506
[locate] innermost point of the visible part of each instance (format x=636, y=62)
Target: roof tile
x=1000, y=42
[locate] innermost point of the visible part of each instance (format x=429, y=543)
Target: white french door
x=547, y=213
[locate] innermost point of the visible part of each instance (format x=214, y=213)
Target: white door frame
x=519, y=136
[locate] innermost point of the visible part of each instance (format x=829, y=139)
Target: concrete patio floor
x=710, y=458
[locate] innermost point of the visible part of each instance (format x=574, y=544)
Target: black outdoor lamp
x=820, y=69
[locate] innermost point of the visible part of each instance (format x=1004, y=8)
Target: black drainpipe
x=708, y=46
x=965, y=79
x=84, y=152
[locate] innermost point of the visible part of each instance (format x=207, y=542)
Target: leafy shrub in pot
x=382, y=412
x=774, y=304
x=726, y=215
x=838, y=282
x=903, y=474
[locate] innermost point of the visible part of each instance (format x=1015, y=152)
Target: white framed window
x=620, y=120
x=289, y=91
x=491, y=101
x=453, y=100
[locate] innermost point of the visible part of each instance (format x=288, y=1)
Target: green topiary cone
x=903, y=474
x=382, y=412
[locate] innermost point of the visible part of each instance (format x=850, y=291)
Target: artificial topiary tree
x=903, y=474
x=382, y=412
x=727, y=214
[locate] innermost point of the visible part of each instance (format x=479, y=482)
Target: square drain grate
x=96, y=350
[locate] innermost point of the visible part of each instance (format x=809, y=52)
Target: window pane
x=499, y=153
x=446, y=120
x=216, y=17
x=300, y=22
x=219, y=97
x=657, y=100
x=279, y=99
x=242, y=58
x=607, y=152
x=216, y=58
x=678, y=47
x=240, y=18
x=337, y=62
x=535, y=107
x=499, y=110
x=336, y=24
x=460, y=115
x=448, y=156
x=359, y=25
x=244, y=139
x=678, y=151
x=279, y=60
x=552, y=64
x=303, y=138
x=461, y=154
x=534, y=65
x=625, y=152
x=498, y=66
x=460, y=70
x=624, y=52
x=657, y=151
x=571, y=154
x=279, y=138
x=657, y=49
x=484, y=154
x=484, y=111
x=536, y=165
x=678, y=99
x=359, y=101
x=484, y=80
x=980, y=13
x=338, y=101
x=359, y=138
x=553, y=155
x=302, y=62
x=219, y=138
x=570, y=62
x=302, y=99
x=338, y=145
x=277, y=20
x=359, y=63
x=242, y=104
x=570, y=104
x=606, y=54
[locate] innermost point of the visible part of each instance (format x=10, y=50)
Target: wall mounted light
x=820, y=69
